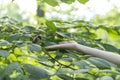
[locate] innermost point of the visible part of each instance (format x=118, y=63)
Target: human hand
x=71, y=45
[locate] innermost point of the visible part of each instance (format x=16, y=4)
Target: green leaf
x=29, y=28
x=81, y=79
x=34, y=48
x=105, y=78
x=83, y=1
x=52, y=2
x=82, y=64
x=64, y=71
x=4, y=43
x=9, y=69
x=36, y=72
x=25, y=37
x=4, y=53
x=13, y=37
x=73, y=55
x=58, y=55
x=66, y=59
x=51, y=25
x=100, y=63
x=43, y=58
x=109, y=71
x=80, y=71
x=113, y=33
x=65, y=77
x=68, y=1
x=60, y=34
x=110, y=48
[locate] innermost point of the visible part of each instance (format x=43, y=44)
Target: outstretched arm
x=109, y=56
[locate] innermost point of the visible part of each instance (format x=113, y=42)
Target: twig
x=58, y=61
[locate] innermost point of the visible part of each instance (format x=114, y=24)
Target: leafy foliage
x=83, y=1
x=24, y=46
x=4, y=53
x=24, y=57
x=38, y=72
x=8, y=70
x=51, y=2
x=56, y=2
x=34, y=48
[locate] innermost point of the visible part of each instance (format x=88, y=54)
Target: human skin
x=109, y=56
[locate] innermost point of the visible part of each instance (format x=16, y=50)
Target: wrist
x=75, y=46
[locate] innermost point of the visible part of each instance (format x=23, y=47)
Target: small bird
x=37, y=39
